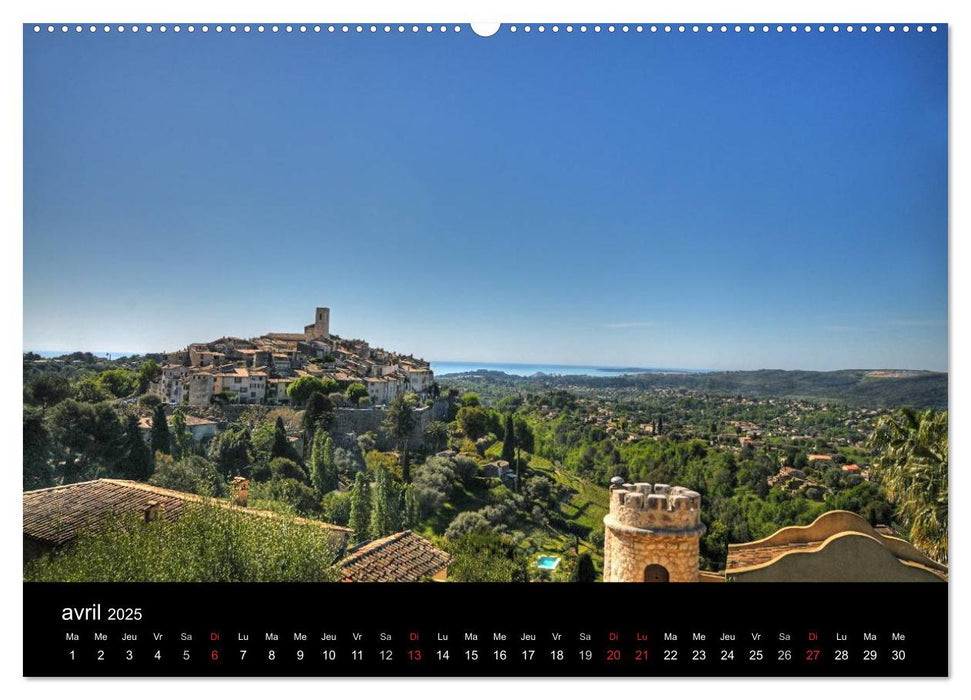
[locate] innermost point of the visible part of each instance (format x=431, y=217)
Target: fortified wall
x=362, y=420
x=652, y=533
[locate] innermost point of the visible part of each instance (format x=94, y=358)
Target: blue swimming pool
x=548, y=563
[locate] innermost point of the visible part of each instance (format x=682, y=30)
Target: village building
x=201, y=429
x=170, y=385
x=258, y=370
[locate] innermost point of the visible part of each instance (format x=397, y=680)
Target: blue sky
x=711, y=201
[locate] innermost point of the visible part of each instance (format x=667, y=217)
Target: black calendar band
x=447, y=629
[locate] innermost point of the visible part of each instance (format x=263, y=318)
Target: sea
x=527, y=370
x=441, y=368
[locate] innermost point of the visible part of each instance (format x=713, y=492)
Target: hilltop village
x=399, y=475
x=260, y=370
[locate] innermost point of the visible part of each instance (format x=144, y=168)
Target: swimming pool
x=547, y=563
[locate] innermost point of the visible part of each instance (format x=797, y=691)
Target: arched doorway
x=655, y=573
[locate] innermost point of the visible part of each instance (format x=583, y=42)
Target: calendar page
x=437, y=349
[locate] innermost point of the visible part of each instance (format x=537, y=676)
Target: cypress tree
x=161, y=442
x=584, y=572
x=411, y=513
x=323, y=470
x=383, y=503
x=281, y=446
x=509, y=440
x=181, y=437
x=138, y=464
x=360, y=520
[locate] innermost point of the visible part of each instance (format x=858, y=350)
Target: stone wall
x=363, y=420
x=647, y=525
x=627, y=557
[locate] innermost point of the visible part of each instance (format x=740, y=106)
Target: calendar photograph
x=514, y=305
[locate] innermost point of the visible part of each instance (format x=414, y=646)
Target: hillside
x=858, y=387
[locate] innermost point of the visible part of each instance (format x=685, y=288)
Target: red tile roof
x=56, y=515
x=402, y=557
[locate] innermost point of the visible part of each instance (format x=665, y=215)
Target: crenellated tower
x=652, y=533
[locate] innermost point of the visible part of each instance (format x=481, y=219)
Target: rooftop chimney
x=152, y=511
x=240, y=491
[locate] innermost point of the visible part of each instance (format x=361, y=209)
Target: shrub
x=336, y=507
x=466, y=523
x=149, y=401
x=486, y=556
x=296, y=496
x=193, y=474
x=207, y=543
x=466, y=468
x=283, y=468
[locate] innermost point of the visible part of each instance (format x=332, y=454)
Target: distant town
x=259, y=370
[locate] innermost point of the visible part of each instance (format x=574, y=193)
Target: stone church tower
x=320, y=328
x=652, y=534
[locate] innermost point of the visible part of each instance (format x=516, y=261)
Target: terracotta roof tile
x=56, y=515
x=401, y=557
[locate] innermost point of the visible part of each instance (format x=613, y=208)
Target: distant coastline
x=528, y=370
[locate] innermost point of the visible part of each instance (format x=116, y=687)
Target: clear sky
x=711, y=201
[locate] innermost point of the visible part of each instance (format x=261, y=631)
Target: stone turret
x=652, y=533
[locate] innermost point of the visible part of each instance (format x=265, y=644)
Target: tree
x=301, y=389
x=182, y=443
x=385, y=506
x=355, y=392
x=138, y=465
x=193, y=474
x=37, y=451
x=470, y=398
x=88, y=390
x=230, y=451
x=323, y=469
x=336, y=507
x=912, y=466
x=318, y=415
x=360, y=520
x=88, y=441
x=281, y=445
x=524, y=441
x=118, y=382
x=47, y=389
x=584, y=571
x=160, y=440
x=467, y=522
x=509, y=440
x=435, y=435
x=286, y=494
x=284, y=468
x=484, y=556
x=148, y=402
x=412, y=509
x=398, y=424
x=148, y=372
x=474, y=421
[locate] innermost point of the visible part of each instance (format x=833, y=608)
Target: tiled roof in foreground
x=402, y=557
x=56, y=515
